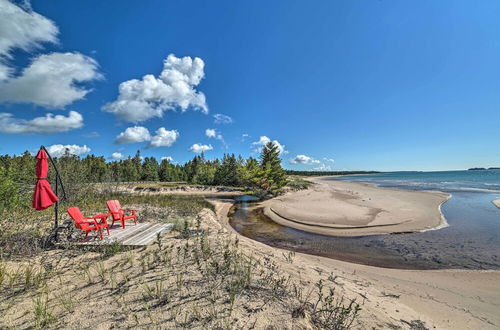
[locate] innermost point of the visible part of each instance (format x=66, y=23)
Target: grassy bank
x=24, y=229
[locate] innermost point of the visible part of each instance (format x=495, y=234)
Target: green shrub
x=9, y=189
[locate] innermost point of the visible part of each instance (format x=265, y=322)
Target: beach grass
x=156, y=184
x=196, y=277
x=296, y=182
x=24, y=229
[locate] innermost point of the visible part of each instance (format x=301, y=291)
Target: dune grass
x=298, y=183
x=195, y=277
x=24, y=229
x=198, y=277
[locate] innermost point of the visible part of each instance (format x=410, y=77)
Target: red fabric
x=43, y=196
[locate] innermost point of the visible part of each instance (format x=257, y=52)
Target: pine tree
x=150, y=169
x=137, y=161
x=270, y=177
x=265, y=176
x=9, y=189
x=226, y=173
x=129, y=171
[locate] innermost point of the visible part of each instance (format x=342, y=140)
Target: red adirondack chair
x=88, y=224
x=118, y=214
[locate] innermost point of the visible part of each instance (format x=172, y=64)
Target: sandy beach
x=119, y=287
x=340, y=208
x=441, y=299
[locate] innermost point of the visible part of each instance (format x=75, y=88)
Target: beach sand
x=340, y=208
x=394, y=298
x=115, y=288
x=496, y=202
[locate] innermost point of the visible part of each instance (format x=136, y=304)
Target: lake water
x=472, y=241
x=481, y=181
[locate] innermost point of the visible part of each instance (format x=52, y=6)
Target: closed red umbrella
x=43, y=196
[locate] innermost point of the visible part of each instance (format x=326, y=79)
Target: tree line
x=263, y=176
x=327, y=173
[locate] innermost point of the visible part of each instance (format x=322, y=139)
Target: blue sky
x=372, y=85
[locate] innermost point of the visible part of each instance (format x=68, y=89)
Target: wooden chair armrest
x=101, y=216
x=92, y=221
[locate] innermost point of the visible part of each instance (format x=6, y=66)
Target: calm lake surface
x=472, y=241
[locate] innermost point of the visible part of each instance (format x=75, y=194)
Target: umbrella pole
x=58, y=181
x=56, y=207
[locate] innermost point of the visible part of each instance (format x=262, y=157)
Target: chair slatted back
x=115, y=209
x=77, y=216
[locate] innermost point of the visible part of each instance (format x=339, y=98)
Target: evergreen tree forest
x=263, y=176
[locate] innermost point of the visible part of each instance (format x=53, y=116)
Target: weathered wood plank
x=147, y=236
x=141, y=234
x=119, y=234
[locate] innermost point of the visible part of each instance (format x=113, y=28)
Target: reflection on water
x=245, y=199
x=472, y=241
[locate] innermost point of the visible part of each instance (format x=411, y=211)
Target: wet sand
x=340, y=208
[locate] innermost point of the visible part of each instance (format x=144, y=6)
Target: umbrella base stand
x=58, y=234
x=51, y=239
x=65, y=231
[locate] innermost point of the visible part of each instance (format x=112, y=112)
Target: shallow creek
x=466, y=244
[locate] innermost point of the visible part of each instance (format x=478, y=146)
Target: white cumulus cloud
x=263, y=140
x=163, y=138
x=50, y=80
x=323, y=167
x=168, y=158
x=199, y=148
x=212, y=133
x=141, y=99
x=24, y=29
x=303, y=159
x=331, y=160
x=219, y=118
x=48, y=124
x=59, y=150
x=133, y=135
x=116, y=155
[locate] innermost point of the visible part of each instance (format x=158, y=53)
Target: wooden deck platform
x=143, y=233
